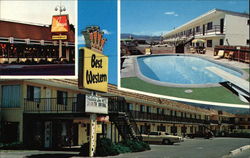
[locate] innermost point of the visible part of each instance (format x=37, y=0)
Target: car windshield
x=154, y=133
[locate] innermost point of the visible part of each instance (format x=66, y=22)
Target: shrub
x=122, y=148
x=105, y=147
x=42, y=61
x=136, y=146
x=13, y=62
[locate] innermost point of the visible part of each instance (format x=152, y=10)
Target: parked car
x=161, y=137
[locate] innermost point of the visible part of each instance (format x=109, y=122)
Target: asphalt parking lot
x=195, y=148
x=190, y=148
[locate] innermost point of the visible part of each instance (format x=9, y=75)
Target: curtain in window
x=11, y=96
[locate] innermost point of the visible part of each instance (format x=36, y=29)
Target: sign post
x=92, y=143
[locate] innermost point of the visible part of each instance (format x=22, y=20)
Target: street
x=190, y=148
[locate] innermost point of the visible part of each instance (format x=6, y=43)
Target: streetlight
x=61, y=8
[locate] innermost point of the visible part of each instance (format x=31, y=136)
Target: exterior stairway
x=123, y=119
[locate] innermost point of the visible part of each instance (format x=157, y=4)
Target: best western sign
x=93, y=72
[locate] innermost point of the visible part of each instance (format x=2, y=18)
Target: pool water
x=181, y=69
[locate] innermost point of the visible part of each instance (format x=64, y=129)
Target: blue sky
x=154, y=17
x=104, y=14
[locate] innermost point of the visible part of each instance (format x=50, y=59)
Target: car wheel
x=166, y=141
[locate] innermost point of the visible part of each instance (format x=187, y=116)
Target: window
x=161, y=128
x=173, y=129
x=148, y=109
x=62, y=97
x=130, y=107
x=11, y=96
x=221, y=42
x=210, y=26
x=209, y=43
x=197, y=28
x=33, y=93
x=142, y=108
x=160, y=111
x=248, y=22
x=248, y=42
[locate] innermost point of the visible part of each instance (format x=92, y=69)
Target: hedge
x=105, y=147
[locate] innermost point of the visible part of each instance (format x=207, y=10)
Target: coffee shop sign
x=96, y=104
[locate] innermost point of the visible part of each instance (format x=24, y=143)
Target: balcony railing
x=166, y=118
x=214, y=30
x=51, y=105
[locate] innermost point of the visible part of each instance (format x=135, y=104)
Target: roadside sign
x=59, y=37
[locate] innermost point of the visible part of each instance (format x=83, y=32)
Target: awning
x=198, y=40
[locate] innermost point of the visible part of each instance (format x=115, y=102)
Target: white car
x=161, y=137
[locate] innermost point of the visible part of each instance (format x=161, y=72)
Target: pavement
x=47, y=69
x=190, y=148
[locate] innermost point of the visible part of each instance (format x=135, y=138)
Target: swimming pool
x=180, y=70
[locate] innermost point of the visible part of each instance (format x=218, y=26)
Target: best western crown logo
x=94, y=38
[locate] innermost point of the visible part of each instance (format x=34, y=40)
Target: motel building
x=51, y=114
x=27, y=42
x=217, y=27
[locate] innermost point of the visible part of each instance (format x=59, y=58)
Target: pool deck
x=129, y=65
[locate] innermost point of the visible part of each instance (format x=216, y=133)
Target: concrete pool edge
x=167, y=84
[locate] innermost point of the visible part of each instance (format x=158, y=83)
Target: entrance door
x=221, y=25
x=48, y=134
x=48, y=99
x=203, y=29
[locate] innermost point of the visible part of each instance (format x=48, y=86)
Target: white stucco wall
x=237, y=30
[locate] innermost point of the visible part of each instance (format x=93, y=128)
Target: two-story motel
x=46, y=113
x=216, y=27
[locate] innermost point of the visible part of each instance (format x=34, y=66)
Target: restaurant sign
x=96, y=104
x=93, y=72
x=60, y=24
x=59, y=37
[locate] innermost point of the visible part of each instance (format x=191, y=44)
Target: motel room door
x=48, y=99
x=48, y=134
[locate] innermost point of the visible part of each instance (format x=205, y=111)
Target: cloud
x=171, y=13
x=81, y=39
x=106, y=32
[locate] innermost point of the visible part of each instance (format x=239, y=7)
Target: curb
x=237, y=151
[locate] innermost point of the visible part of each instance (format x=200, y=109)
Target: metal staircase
x=123, y=119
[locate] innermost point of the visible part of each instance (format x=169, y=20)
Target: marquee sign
x=60, y=23
x=96, y=104
x=93, y=71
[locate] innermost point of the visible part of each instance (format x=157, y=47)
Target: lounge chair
x=148, y=51
x=219, y=55
x=192, y=50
